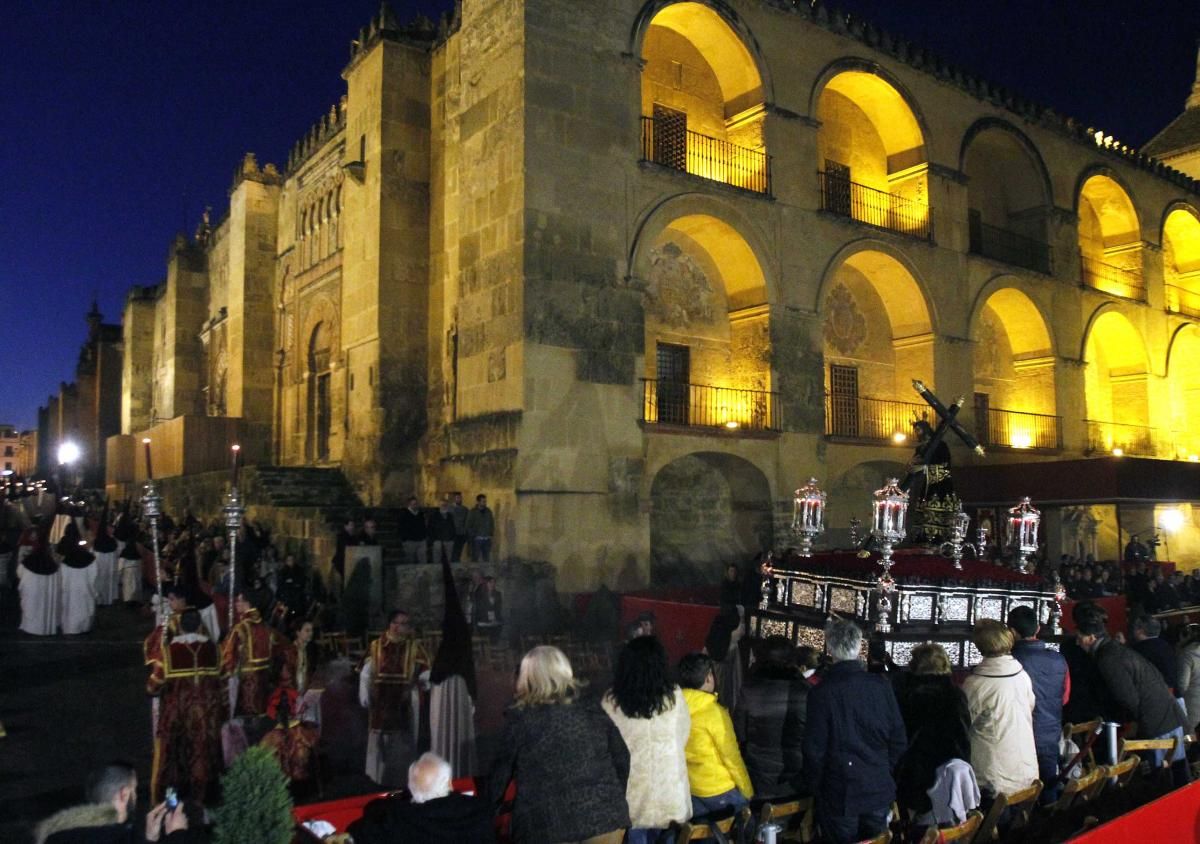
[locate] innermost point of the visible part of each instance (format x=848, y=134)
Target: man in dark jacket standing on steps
x=853, y=739
x=769, y=720
x=1051, y=690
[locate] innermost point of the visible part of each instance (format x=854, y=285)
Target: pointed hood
x=454, y=655
x=103, y=543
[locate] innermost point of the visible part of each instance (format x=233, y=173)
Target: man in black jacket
x=769, y=720
x=1158, y=652
x=107, y=817
x=1137, y=689
x=853, y=739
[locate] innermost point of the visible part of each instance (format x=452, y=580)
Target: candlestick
x=149, y=470
x=237, y=450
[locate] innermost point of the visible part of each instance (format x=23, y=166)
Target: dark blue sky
x=123, y=119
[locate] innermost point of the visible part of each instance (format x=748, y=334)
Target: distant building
x=86, y=411
x=10, y=449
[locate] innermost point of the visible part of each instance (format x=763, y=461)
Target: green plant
x=255, y=805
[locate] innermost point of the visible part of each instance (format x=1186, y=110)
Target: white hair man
x=433, y=812
x=108, y=815
x=853, y=719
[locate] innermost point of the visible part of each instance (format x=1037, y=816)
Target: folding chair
x=1021, y=803
x=795, y=816
x=1077, y=791
x=697, y=829
x=1084, y=735
x=1140, y=745
x=964, y=831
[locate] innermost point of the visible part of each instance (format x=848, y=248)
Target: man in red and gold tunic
x=251, y=655
x=152, y=647
x=394, y=663
x=187, y=741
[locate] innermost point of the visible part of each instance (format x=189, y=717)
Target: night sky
x=123, y=120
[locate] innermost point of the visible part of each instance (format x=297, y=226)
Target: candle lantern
x=1023, y=521
x=808, y=516
x=958, y=538
x=767, y=570
x=889, y=507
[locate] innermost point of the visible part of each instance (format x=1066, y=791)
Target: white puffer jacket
x=658, y=791
x=1000, y=700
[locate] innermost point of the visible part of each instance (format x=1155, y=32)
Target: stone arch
x=707, y=325
x=320, y=311
x=1009, y=195
x=866, y=67
x=1183, y=387
x=1117, y=385
x=707, y=509
x=1110, y=234
x=1014, y=371
x=868, y=244
x=877, y=335
x=734, y=30
x=1180, y=238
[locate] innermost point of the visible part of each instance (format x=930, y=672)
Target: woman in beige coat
x=1000, y=702
x=652, y=717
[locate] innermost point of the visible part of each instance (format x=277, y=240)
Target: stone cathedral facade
x=636, y=270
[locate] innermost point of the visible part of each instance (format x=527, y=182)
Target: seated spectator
x=936, y=720
x=1145, y=631
x=569, y=761
x=108, y=816
x=717, y=775
x=1000, y=701
x=769, y=720
x=853, y=738
x=652, y=715
x=433, y=814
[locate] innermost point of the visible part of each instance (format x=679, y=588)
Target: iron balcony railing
x=875, y=207
x=1180, y=300
x=1009, y=247
x=1119, y=281
x=1018, y=429
x=709, y=158
x=703, y=406
x=853, y=417
x=1131, y=440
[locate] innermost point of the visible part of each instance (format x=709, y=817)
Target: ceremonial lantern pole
x=233, y=511
x=1023, y=523
x=958, y=538
x=152, y=509
x=889, y=506
x=808, y=516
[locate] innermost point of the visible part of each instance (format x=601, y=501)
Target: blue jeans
x=1180, y=749
x=731, y=799
x=639, y=835
x=841, y=830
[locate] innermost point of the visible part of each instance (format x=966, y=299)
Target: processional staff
x=152, y=508
x=233, y=511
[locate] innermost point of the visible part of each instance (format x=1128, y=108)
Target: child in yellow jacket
x=716, y=773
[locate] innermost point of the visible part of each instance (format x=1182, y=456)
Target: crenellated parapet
x=328, y=126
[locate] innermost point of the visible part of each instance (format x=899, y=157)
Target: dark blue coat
x=854, y=738
x=1048, y=671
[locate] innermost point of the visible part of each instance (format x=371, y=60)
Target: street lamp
x=68, y=454
x=1170, y=521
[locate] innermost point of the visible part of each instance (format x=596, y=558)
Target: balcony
x=1009, y=247
x=876, y=208
x=851, y=417
x=1131, y=440
x=1000, y=428
x=1116, y=281
x=1180, y=300
x=666, y=143
x=703, y=406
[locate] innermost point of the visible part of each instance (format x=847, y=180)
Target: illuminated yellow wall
x=706, y=291
x=1013, y=360
x=1117, y=378
x=1181, y=259
x=678, y=76
x=874, y=318
x=1108, y=230
x=1183, y=380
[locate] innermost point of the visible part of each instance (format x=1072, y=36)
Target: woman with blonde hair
x=567, y=757
x=1000, y=703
